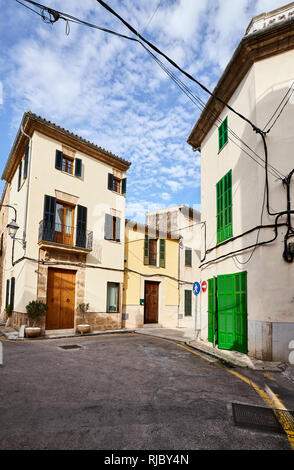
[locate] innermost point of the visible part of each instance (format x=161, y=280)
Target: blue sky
x=112, y=93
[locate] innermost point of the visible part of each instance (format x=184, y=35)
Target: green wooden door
x=232, y=312
x=241, y=312
x=211, y=311
x=225, y=304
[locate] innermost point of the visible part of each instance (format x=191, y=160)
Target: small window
x=112, y=228
x=112, y=297
x=67, y=164
x=188, y=257
x=223, y=134
x=188, y=303
x=116, y=185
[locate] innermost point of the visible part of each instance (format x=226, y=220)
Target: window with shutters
x=23, y=169
x=58, y=224
x=188, y=257
x=154, y=252
x=67, y=163
x=224, y=208
x=118, y=185
x=112, y=228
x=223, y=134
x=188, y=303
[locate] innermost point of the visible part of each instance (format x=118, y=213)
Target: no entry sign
x=204, y=286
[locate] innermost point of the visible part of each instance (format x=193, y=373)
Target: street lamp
x=12, y=229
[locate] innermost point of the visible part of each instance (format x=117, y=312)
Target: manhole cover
x=71, y=346
x=265, y=419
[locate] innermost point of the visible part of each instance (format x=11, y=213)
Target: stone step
x=152, y=325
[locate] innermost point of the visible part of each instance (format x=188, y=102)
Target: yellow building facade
x=151, y=286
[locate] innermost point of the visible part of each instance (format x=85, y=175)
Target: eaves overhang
x=31, y=123
x=259, y=45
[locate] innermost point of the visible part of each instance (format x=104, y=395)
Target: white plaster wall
x=270, y=279
x=92, y=192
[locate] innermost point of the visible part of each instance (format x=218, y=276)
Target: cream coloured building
x=184, y=222
x=247, y=194
x=69, y=196
x=151, y=286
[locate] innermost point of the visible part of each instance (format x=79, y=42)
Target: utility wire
x=73, y=19
x=201, y=105
x=290, y=91
x=174, y=64
x=152, y=16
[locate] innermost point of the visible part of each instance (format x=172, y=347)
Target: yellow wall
x=134, y=254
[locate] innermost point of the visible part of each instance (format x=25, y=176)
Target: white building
x=69, y=197
x=247, y=248
x=183, y=221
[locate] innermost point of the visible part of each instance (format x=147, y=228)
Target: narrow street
x=126, y=392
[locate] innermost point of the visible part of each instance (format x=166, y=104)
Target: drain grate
x=71, y=346
x=264, y=419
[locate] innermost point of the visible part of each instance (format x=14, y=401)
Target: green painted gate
x=227, y=311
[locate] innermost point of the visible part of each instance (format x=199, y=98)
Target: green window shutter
x=146, y=250
x=162, y=253
x=211, y=310
x=188, y=257
x=188, y=303
x=223, y=134
x=241, y=343
x=224, y=208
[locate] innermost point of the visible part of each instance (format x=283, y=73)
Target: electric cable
x=174, y=64
x=69, y=18
x=201, y=105
x=290, y=91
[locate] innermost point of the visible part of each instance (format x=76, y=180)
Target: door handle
x=68, y=300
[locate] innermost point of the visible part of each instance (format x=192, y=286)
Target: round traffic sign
x=204, y=286
x=196, y=288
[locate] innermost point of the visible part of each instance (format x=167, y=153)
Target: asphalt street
x=125, y=392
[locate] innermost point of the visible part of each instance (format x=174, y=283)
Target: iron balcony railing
x=65, y=235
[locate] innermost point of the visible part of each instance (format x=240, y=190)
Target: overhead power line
x=54, y=15
x=174, y=64
x=280, y=108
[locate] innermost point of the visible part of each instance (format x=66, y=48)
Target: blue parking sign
x=196, y=288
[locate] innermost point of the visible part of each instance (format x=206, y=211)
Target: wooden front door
x=151, y=302
x=60, y=299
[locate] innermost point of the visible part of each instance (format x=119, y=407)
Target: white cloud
x=1, y=93
x=112, y=93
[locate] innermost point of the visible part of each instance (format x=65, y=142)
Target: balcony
x=65, y=237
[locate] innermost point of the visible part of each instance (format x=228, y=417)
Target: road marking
x=268, y=396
